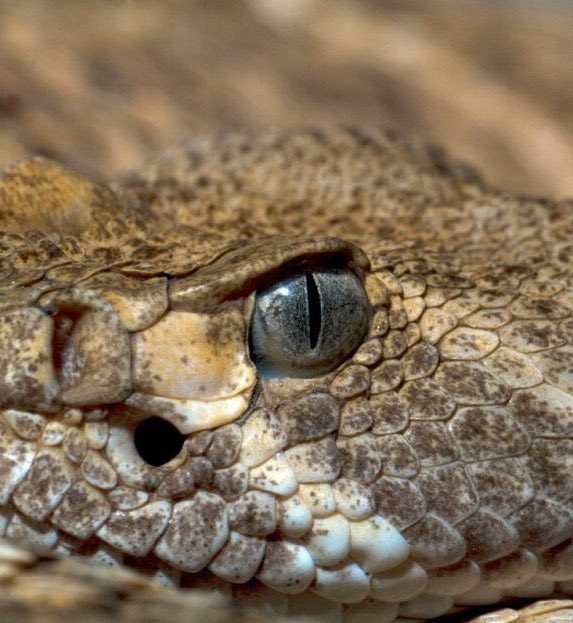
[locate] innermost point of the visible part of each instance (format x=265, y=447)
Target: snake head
x=220, y=402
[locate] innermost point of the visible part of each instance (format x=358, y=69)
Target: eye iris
x=308, y=323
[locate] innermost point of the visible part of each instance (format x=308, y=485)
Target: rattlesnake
x=315, y=372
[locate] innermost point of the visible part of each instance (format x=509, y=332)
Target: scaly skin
x=430, y=472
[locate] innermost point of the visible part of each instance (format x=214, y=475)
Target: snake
x=284, y=373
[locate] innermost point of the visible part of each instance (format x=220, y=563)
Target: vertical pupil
x=314, y=313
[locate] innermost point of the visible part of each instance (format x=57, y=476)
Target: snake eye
x=308, y=323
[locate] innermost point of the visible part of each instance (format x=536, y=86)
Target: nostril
x=157, y=441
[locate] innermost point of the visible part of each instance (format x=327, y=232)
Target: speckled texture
x=441, y=448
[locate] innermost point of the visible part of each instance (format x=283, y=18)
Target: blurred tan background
x=103, y=85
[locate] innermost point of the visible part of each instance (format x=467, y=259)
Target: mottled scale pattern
x=429, y=473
